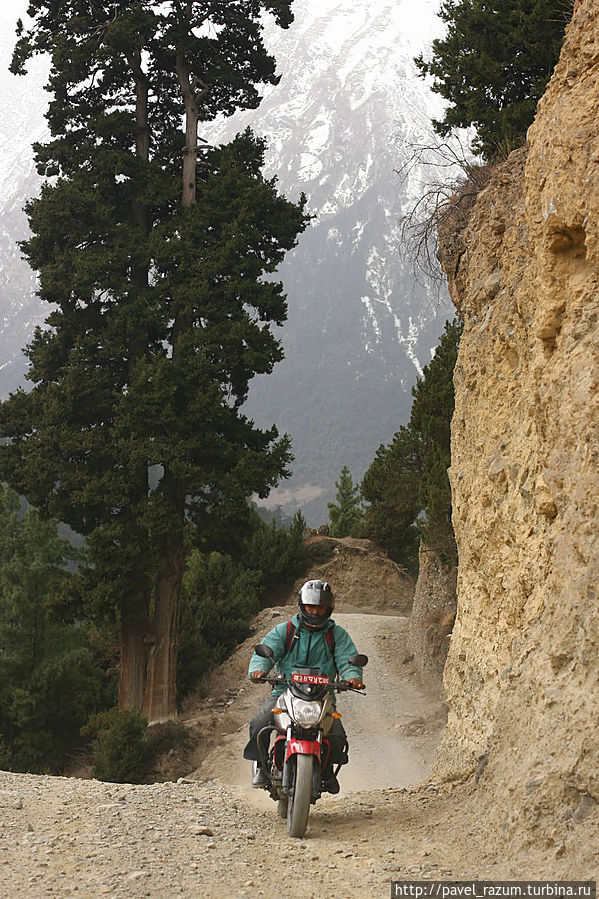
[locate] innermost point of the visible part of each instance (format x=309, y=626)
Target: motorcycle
x=303, y=716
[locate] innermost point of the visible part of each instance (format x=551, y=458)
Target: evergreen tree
x=407, y=485
x=49, y=683
x=391, y=488
x=346, y=513
x=221, y=592
x=493, y=65
x=154, y=262
x=430, y=420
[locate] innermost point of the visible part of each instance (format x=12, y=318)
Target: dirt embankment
x=362, y=576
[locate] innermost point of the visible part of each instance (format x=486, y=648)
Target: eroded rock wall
x=522, y=677
x=433, y=613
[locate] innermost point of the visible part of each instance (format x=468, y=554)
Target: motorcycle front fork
x=285, y=783
x=288, y=768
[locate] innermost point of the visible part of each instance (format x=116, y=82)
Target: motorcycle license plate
x=320, y=679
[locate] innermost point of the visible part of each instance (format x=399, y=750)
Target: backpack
x=293, y=634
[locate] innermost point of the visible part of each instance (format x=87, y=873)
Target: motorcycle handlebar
x=344, y=686
x=339, y=686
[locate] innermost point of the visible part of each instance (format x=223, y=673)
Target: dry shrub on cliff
x=455, y=179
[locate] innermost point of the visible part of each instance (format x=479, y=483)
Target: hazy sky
x=13, y=9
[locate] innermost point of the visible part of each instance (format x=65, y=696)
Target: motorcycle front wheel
x=298, y=807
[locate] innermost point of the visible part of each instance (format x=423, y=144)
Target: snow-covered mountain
x=21, y=123
x=341, y=123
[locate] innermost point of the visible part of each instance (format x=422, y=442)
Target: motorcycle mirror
x=358, y=659
x=263, y=650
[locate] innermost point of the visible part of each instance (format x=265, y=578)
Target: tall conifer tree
x=407, y=485
x=346, y=513
x=152, y=250
x=493, y=64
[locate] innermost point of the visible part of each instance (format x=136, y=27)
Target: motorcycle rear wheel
x=298, y=808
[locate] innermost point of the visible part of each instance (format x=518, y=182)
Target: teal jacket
x=310, y=649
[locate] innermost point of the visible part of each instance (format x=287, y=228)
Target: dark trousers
x=336, y=736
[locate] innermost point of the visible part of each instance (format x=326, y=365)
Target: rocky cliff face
x=522, y=674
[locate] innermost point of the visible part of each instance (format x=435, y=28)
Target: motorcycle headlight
x=307, y=714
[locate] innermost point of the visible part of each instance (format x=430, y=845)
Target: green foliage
x=432, y=411
x=277, y=553
x=221, y=593
x=407, y=485
x=122, y=748
x=346, y=514
x=50, y=678
x=105, y=415
x=493, y=65
x=219, y=597
x=169, y=735
x=390, y=486
x=125, y=749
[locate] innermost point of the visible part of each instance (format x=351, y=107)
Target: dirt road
x=211, y=836
x=393, y=730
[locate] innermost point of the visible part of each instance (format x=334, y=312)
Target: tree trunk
x=190, y=150
x=132, y=674
x=134, y=628
x=160, y=700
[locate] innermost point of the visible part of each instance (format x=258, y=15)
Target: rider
x=304, y=641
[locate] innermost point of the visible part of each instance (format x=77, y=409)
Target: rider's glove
x=258, y=675
x=356, y=683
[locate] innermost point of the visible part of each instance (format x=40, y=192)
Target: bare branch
x=456, y=179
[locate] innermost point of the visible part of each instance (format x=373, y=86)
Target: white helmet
x=315, y=593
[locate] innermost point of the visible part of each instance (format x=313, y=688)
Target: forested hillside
x=407, y=486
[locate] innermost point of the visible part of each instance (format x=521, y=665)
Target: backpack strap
x=293, y=634
x=290, y=636
x=330, y=638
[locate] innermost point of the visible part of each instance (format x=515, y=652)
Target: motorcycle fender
x=302, y=747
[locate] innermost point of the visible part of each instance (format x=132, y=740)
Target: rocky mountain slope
x=339, y=126
x=522, y=676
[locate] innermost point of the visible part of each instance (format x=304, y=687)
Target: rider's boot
x=259, y=778
x=330, y=784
